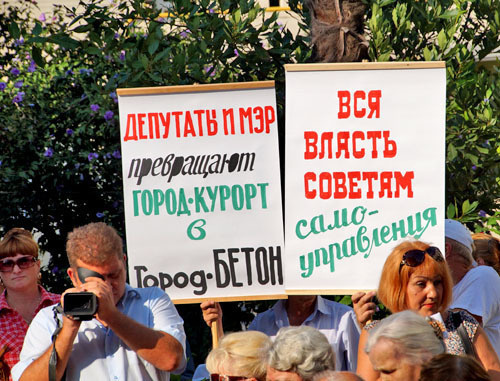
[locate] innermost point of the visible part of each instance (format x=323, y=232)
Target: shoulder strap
x=53, y=354
x=458, y=322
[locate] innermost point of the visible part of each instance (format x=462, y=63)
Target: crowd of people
x=445, y=321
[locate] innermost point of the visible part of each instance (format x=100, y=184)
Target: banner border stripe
x=365, y=66
x=194, y=88
x=230, y=298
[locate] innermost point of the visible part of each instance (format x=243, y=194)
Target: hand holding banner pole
x=212, y=314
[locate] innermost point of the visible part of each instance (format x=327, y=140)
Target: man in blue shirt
x=136, y=334
x=336, y=321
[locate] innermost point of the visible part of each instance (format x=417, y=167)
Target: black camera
x=81, y=305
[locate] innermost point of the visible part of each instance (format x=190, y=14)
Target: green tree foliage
x=461, y=33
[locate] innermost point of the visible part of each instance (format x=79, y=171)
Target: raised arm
x=157, y=347
x=363, y=306
x=212, y=313
x=38, y=370
x=365, y=368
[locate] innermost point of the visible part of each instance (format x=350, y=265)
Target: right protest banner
x=365, y=169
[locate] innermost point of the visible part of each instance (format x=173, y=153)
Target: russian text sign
x=365, y=162
x=202, y=190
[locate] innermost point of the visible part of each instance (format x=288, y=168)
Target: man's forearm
x=38, y=370
x=159, y=348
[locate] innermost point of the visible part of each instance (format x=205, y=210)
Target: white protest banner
x=365, y=169
x=202, y=190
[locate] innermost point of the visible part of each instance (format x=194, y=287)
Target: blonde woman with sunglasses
x=22, y=297
x=416, y=277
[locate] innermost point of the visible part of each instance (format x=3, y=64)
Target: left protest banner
x=202, y=190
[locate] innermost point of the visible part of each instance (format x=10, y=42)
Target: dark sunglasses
x=7, y=265
x=414, y=258
x=223, y=377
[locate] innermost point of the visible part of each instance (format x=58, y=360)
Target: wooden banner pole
x=215, y=335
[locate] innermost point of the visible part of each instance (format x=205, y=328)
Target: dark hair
x=448, y=367
x=18, y=241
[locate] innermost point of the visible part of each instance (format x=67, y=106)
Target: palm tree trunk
x=337, y=30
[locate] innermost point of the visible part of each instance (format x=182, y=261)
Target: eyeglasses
x=223, y=377
x=7, y=265
x=414, y=258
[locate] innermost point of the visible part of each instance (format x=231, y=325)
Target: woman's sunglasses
x=7, y=265
x=414, y=258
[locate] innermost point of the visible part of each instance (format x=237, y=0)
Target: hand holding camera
x=82, y=305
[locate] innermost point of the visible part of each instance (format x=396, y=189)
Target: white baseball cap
x=455, y=230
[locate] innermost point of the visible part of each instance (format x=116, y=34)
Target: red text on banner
x=197, y=123
x=355, y=104
x=343, y=144
x=357, y=184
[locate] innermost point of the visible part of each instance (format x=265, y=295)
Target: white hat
x=455, y=230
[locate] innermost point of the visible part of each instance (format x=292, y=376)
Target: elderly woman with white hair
x=299, y=353
x=399, y=344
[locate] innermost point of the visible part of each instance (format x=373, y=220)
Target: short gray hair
x=303, y=350
x=414, y=335
x=333, y=375
x=461, y=250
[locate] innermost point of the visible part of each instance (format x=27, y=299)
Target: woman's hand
x=364, y=308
